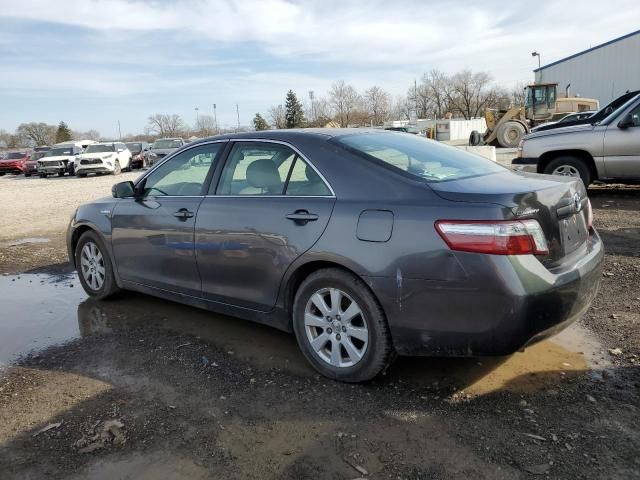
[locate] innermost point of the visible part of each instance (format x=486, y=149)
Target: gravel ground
x=152, y=389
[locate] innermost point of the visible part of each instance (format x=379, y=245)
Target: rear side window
x=418, y=157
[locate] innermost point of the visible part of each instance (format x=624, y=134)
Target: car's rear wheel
x=340, y=327
x=569, y=167
x=94, y=266
x=116, y=168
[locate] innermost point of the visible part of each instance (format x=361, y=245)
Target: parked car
x=361, y=242
x=14, y=162
x=572, y=117
x=105, y=157
x=606, y=151
x=163, y=147
x=139, y=153
x=596, y=117
x=59, y=160
x=31, y=165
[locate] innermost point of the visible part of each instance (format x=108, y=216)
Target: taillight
x=509, y=237
x=589, y=215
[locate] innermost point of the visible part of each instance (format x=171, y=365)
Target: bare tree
x=470, y=93
x=517, y=94
x=377, y=104
x=166, y=125
x=88, y=135
x=402, y=108
x=278, y=118
x=38, y=133
x=344, y=101
x=321, y=113
x=205, y=126
x=9, y=140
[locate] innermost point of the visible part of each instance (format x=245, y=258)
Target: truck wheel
x=569, y=167
x=475, y=138
x=510, y=134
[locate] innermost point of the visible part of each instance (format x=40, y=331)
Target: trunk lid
x=559, y=204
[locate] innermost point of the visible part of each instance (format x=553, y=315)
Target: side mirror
x=123, y=190
x=626, y=122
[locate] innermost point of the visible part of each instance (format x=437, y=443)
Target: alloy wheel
x=566, y=171
x=336, y=327
x=92, y=265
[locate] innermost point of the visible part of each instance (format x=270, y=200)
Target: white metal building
x=603, y=72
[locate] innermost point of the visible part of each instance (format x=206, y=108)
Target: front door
x=270, y=207
x=153, y=234
x=622, y=148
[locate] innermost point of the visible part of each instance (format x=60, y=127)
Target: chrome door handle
x=183, y=214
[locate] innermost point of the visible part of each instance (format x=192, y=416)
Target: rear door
x=622, y=147
x=153, y=234
x=269, y=207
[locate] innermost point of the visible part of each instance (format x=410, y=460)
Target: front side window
x=184, y=174
x=418, y=157
x=635, y=116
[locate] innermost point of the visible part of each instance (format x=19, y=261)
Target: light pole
x=313, y=113
x=537, y=54
x=238, y=113
x=197, y=117
x=215, y=117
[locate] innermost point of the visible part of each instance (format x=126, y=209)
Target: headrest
x=263, y=173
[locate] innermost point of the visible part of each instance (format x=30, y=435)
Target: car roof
x=295, y=133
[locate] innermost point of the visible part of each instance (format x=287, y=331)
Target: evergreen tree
x=260, y=123
x=64, y=133
x=294, y=113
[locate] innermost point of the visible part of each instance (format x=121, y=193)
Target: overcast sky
x=92, y=62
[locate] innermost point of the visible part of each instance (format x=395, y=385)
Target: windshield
x=15, y=155
x=99, y=149
x=55, y=152
x=166, y=144
x=612, y=116
x=419, y=157
x=38, y=155
x=134, y=147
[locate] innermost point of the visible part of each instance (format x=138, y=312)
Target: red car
x=14, y=162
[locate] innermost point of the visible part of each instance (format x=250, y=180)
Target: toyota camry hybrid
x=364, y=243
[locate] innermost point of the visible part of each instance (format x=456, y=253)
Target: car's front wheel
x=340, y=327
x=94, y=266
x=569, y=167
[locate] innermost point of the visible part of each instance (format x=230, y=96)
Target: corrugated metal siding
x=604, y=73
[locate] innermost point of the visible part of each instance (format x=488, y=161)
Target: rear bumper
x=504, y=304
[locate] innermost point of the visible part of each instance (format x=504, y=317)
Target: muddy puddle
x=42, y=310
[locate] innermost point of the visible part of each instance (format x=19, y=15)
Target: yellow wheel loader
x=505, y=128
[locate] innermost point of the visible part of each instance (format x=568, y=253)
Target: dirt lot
x=138, y=387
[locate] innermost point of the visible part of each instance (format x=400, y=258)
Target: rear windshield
x=15, y=155
x=99, y=148
x=134, y=147
x=418, y=156
x=166, y=144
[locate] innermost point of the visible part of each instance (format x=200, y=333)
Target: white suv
x=104, y=157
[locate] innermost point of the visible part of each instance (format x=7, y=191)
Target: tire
x=27, y=175
x=81, y=175
x=61, y=174
x=116, y=168
x=510, y=133
x=475, y=138
x=571, y=167
x=97, y=279
x=43, y=175
x=72, y=170
x=371, y=346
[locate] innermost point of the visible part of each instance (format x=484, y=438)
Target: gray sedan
x=364, y=243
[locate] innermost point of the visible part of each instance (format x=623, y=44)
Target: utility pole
x=119, y=131
x=238, y=113
x=313, y=113
x=215, y=117
x=197, y=117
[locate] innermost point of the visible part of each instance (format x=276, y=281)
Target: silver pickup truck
x=606, y=151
